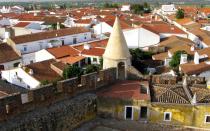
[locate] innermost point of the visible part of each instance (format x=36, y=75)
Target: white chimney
x=192, y=48
x=196, y=58
x=87, y=46
x=58, y=26
x=31, y=72
x=193, y=102
x=183, y=59
x=184, y=82
x=6, y=35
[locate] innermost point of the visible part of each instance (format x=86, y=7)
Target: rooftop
x=42, y=71
x=7, y=53
x=127, y=89
x=63, y=51
x=48, y=34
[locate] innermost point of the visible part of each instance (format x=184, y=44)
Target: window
x=143, y=112
x=16, y=64
x=128, y=112
x=143, y=89
x=74, y=40
x=24, y=48
x=31, y=62
x=167, y=116
x=207, y=119
x=85, y=37
x=94, y=59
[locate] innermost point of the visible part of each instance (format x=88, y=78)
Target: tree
x=175, y=61
x=72, y=71
x=180, y=14
x=138, y=58
x=91, y=69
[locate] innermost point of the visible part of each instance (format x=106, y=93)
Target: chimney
x=9, y=32
x=87, y=46
x=184, y=82
x=183, y=59
x=196, y=58
x=31, y=72
x=58, y=26
x=192, y=48
x=193, y=101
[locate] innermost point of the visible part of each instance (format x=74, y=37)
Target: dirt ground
x=100, y=124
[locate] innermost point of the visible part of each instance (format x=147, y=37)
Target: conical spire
x=117, y=47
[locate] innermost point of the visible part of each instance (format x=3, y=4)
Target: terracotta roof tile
x=72, y=59
x=165, y=28
x=93, y=52
x=191, y=68
x=126, y=90
x=63, y=51
x=22, y=24
x=7, y=54
x=42, y=71
x=48, y=34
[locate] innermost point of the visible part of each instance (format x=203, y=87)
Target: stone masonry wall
x=62, y=116
x=43, y=97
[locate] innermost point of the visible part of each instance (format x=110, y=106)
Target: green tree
x=91, y=69
x=72, y=71
x=180, y=14
x=175, y=61
x=138, y=58
x=101, y=62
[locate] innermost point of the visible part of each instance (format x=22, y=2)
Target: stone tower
x=117, y=53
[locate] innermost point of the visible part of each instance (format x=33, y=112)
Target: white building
x=9, y=58
x=141, y=37
x=168, y=9
x=33, y=75
x=38, y=41
x=125, y=8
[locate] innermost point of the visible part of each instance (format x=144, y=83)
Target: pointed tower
x=117, y=53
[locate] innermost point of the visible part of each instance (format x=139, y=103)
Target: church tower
x=117, y=53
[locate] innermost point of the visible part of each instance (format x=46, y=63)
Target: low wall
x=62, y=116
x=16, y=104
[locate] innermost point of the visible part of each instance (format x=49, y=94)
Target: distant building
x=125, y=8
x=168, y=9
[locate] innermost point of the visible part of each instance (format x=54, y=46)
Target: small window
x=25, y=48
x=85, y=37
x=207, y=119
x=31, y=62
x=143, y=89
x=167, y=116
x=128, y=112
x=94, y=59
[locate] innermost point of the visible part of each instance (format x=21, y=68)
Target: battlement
x=160, y=79
x=46, y=95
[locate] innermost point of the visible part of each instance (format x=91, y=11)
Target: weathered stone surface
x=61, y=116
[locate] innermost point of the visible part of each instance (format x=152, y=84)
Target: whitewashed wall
x=140, y=38
x=19, y=77
x=10, y=65
x=43, y=44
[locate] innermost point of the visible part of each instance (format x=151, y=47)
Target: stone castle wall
x=16, y=104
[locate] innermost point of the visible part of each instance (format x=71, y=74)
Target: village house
x=34, y=75
x=168, y=9
x=9, y=58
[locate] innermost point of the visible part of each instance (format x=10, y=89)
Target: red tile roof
x=93, y=52
x=126, y=90
x=63, y=51
x=191, y=68
x=100, y=43
x=7, y=54
x=22, y=24
x=165, y=28
x=72, y=59
x=48, y=34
